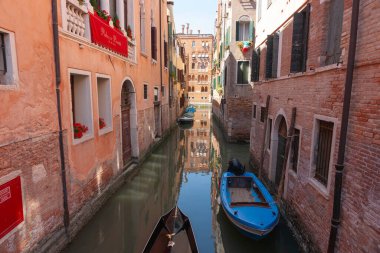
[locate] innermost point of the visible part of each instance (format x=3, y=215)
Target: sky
x=199, y=13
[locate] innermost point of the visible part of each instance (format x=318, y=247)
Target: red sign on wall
x=11, y=210
x=106, y=36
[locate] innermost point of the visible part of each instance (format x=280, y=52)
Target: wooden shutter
x=335, y=31
x=154, y=42
x=324, y=151
x=275, y=54
x=269, y=57
x=300, y=40
x=251, y=34
x=237, y=31
x=166, y=54
x=255, y=66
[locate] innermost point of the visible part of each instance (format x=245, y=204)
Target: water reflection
x=184, y=169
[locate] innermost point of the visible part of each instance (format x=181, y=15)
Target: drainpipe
x=160, y=9
x=335, y=221
x=57, y=65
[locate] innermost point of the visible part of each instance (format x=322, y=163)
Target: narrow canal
x=184, y=169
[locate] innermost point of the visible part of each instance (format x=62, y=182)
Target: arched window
x=202, y=89
x=244, y=29
x=192, y=88
x=206, y=89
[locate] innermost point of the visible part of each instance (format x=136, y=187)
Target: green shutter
x=251, y=31
x=237, y=30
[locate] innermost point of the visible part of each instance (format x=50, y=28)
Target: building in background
x=232, y=95
x=177, y=69
x=198, y=48
x=112, y=77
x=302, y=62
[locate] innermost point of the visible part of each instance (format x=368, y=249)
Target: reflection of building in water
x=198, y=142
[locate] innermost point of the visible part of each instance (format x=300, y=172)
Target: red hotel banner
x=106, y=36
x=11, y=209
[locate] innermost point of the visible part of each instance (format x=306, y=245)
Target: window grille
x=323, y=151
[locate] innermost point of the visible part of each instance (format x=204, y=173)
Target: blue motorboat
x=248, y=204
x=190, y=108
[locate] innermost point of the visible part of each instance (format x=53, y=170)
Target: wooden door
x=126, y=124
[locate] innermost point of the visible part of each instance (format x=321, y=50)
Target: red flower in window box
x=102, y=123
x=79, y=130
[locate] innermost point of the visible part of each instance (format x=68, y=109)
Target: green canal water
x=183, y=170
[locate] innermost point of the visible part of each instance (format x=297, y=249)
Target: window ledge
x=143, y=54
x=319, y=187
x=85, y=138
x=165, y=69
x=154, y=62
x=105, y=130
x=293, y=173
x=10, y=87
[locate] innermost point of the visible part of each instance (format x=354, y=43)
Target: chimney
x=187, y=28
x=183, y=28
x=199, y=32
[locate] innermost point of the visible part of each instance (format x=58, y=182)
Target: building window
x=193, y=44
x=322, y=150
x=254, y=111
x=262, y=114
x=154, y=42
x=112, y=6
x=165, y=54
x=155, y=94
x=145, y=91
x=300, y=40
x=81, y=105
x=244, y=29
x=193, y=65
x=242, y=72
x=129, y=15
x=104, y=103
x=269, y=133
x=8, y=63
x=163, y=91
x=272, y=56
x=295, y=150
x=333, y=50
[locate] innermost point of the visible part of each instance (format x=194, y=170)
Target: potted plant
x=102, y=123
x=81, y=2
x=116, y=22
x=79, y=130
x=129, y=31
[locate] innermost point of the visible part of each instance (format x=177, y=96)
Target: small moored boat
x=173, y=233
x=187, y=117
x=248, y=204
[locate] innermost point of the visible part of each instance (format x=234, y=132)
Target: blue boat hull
x=248, y=204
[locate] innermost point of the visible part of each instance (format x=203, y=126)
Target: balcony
x=78, y=22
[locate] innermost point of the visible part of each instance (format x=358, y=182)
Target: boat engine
x=234, y=166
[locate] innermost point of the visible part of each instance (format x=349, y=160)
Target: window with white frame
x=81, y=105
x=104, y=103
x=242, y=72
x=8, y=63
x=244, y=29
x=322, y=150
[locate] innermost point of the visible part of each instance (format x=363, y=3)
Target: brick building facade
x=302, y=63
x=232, y=90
